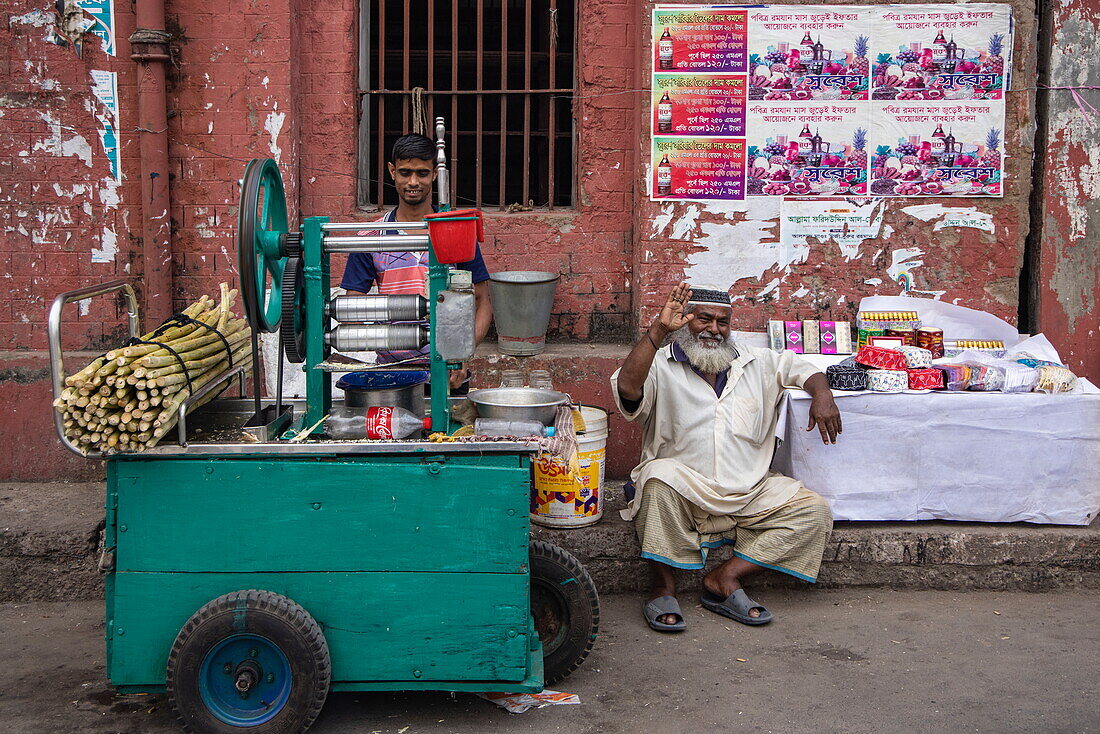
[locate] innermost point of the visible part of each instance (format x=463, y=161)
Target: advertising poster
x=102, y=15
x=696, y=104
x=698, y=168
x=808, y=149
x=829, y=100
x=105, y=88
x=937, y=148
x=809, y=52
x=942, y=52
x=700, y=38
x=848, y=222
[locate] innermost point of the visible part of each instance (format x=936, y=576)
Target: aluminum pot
x=518, y=403
x=403, y=389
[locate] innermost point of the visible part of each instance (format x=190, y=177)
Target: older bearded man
x=709, y=409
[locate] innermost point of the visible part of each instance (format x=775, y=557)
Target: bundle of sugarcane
x=129, y=398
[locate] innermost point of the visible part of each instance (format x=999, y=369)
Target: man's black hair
x=415, y=146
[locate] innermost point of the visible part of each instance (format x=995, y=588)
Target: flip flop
x=736, y=606
x=661, y=606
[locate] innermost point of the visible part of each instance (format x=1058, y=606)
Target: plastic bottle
x=504, y=427
x=375, y=423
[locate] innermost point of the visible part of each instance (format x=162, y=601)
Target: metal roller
x=410, y=307
x=377, y=243
x=377, y=337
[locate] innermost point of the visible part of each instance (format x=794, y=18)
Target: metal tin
x=930, y=338
x=908, y=336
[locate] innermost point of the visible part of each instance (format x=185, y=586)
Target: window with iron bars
x=500, y=73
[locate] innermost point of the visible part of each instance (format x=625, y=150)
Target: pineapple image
x=860, y=64
x=859, y=143
x=992, y=157
x=995, y=63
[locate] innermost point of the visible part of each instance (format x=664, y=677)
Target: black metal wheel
x=249, y=661
x=566, y=609
x=292, y=323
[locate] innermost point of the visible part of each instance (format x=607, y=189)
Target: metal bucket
x=403, y=389
x=522, y=301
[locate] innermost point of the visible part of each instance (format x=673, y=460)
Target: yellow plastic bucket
x=559, y=501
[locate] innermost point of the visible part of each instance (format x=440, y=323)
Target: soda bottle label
x=380, y=422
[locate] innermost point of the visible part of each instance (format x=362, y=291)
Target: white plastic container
x=556, y=500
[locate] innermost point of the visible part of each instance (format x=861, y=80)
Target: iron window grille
x=501, y=73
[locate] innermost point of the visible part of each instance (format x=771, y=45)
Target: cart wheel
x=250, y=660
x=566, y=609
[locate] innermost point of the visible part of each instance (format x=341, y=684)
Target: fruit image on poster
x=809, y=52
x=698, y=168
x=700, y=38
x=693, y=104
x=942, y=52
x=937, y=148
x=808, y=149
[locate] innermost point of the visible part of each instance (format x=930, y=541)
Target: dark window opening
x=500, y=73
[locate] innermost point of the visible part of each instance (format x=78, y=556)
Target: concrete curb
x=49, y=535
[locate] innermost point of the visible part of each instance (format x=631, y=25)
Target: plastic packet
x=985, y=377
x=1055, y=379
x=955, y=376
x=1017, y=377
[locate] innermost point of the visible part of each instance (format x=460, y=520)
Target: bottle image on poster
x=808, y=53
x=700, y=39
x=665, y=50
x=691, y=169
x=810, y=149
x=699, y=104
x=664, y=114
x=937, y=149
x=942, y=52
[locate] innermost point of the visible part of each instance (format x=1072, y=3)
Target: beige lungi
x=788, y=538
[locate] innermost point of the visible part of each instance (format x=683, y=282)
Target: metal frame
x=57, y=352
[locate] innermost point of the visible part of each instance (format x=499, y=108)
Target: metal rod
x=526, y=104
x=354, y=226
x=405, y=71
x=443, y=176
x=478, y=172
x=552, y=122
x=381, y=148
x=362, y=185
x=376, y=243
x=501, y=195
x=456, y=125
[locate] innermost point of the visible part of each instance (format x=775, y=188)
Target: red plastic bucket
x=454, y=235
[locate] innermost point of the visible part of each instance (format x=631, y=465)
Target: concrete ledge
x=49, y=536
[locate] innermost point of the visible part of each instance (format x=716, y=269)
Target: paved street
x=833, y=661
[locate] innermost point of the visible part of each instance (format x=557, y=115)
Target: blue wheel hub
x=245, y=680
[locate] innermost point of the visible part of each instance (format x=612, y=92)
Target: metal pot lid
x=382, y=380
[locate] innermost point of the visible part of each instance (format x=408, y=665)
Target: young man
x=413, y=172
x=708, y=409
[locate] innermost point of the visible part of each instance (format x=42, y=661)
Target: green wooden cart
x=248, y=579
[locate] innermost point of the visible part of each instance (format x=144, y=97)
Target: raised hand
x=672, y=313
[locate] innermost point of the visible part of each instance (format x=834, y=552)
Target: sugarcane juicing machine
x=252, y=564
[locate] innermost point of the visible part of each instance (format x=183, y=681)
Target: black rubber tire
x=270, y=615
x=566, y=609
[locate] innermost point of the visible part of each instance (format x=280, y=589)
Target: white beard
x=707, y=359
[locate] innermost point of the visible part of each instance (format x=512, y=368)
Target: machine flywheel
x=292, y=323
x=261, y=249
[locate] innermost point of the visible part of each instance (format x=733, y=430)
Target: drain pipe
x=149, y=48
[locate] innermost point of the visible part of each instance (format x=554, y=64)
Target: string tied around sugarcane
x=182, y=319
x=132, y=341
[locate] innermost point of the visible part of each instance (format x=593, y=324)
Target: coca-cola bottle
x=664, y=51
x=376, y=423
x=664, y=115
x=664, y=177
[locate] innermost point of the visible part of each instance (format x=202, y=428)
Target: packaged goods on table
x=846, y=377
x=811, y=336
x=925, y=378
x=881, y=358
x=875, y=323
x=915, y=357
x=1055, y=379
x=930, y=338
x=985, y=377
x=887, y=380
x=955, y=376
